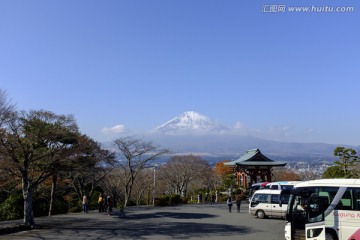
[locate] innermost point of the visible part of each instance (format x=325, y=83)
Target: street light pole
x=153, y=200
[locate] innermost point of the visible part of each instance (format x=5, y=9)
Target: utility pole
x=153, y=200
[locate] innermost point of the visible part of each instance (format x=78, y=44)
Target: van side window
x=275, y=198
x=274, y=187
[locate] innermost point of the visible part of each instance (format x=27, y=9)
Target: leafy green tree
x=31, y=146
x=229, y=180
x=348, y=159
x=333, y=172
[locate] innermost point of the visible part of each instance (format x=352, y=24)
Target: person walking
x=101, y=203
x=212, y=199
x=206, y=197
x=105, y=204
x=239, y=197
x=85, y=203
x=199, y=198
x=229, y=203
x=109, y=205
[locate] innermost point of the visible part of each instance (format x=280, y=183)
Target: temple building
x=253, y=167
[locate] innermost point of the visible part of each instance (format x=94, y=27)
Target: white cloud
x=241, y=128
x=273, y=132
x=114, y=129
x=279, y=132
x=309, y=130
x=239, y=125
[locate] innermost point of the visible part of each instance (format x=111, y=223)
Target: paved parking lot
x=179, y=222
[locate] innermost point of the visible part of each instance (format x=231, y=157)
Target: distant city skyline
x=125, y=67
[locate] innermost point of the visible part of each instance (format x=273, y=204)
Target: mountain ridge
x=195, y=133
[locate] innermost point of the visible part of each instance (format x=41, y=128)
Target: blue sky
x=135, y=64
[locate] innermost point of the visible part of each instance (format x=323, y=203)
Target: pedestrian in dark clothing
x=109, y=205
x=239, y=197
x=212, y=199
x=105, y=204
x=229, y=203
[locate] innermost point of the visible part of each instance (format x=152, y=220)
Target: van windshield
x=286, y=187
x=285, y=198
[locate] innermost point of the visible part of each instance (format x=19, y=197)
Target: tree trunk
x=28, y=210
x=53, y=192
x=127, y=195
x=128, y=192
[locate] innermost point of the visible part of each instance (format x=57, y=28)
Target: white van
x=254, y=187
x=283, y=185
x=265, y=203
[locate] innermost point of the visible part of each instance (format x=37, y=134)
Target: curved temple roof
x=254, y=157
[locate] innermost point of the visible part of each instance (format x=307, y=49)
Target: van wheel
x=260, y=214
x=330, y=235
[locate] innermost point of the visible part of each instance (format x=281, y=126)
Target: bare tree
x=134, y=156
x=90, y=165
x=113, y=183
x=143, y=186
x=6, y=108
x=180, y=171
x=283, y=174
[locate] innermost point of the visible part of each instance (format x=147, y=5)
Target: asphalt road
x=197, y=221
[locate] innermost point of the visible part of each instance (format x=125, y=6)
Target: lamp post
x=154, y=186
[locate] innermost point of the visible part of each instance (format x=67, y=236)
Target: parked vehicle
x=254, y=187
x=266, y=203
x=324, y=209
x=282, y=185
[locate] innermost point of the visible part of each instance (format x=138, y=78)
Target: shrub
x=60, y=207
x=162, y=200
x=40, y=207
x=131, y=203
x=74, y=209
x=174, y=199
x=168, y=200
x=12, y=208
x=184, y=200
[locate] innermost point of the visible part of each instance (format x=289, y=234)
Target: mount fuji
x=195, y=133
x=190, y=122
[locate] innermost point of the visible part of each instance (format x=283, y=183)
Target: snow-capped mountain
x=194, y=133
x=190, y=123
